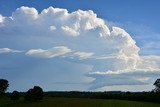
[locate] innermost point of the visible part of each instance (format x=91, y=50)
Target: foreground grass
x=5, y=101
x=77, y=102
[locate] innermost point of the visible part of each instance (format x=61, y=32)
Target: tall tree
x=3, y=86
x=34, y=94
x=157, y=85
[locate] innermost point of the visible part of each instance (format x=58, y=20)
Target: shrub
x=15, y=95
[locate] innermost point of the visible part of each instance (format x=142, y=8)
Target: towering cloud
x=82, y=41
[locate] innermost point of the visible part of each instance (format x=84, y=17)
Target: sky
x=80, y=45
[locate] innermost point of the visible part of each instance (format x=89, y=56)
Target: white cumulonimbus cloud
x=112, y=53
x=1, y=18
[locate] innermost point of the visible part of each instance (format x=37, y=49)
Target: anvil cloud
x=80, y=43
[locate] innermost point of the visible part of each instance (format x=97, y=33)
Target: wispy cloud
x=49, y=53
x=7, y=50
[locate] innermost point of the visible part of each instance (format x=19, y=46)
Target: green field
x=75, y=102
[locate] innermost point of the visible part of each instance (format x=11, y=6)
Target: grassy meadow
x=75, y=102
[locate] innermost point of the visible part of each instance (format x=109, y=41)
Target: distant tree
x=157, y=85
x=3, y=86
x=38, y=93
x=34, y=94
x=15, y=95
x=28, y=95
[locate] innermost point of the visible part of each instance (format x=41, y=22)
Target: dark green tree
x=157, y=85
x=34, y=94
x=38, y=93
x=28, y=95
x=3, y=86
x=15, y=95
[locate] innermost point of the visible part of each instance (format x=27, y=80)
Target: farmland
x=75, y=102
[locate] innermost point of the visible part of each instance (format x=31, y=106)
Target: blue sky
x=137, y=11
x=61, y=62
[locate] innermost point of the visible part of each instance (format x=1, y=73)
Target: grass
x=76, y=102
x=4, y=101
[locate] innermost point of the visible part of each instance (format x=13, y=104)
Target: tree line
x=36, y=93
x=33, y=94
